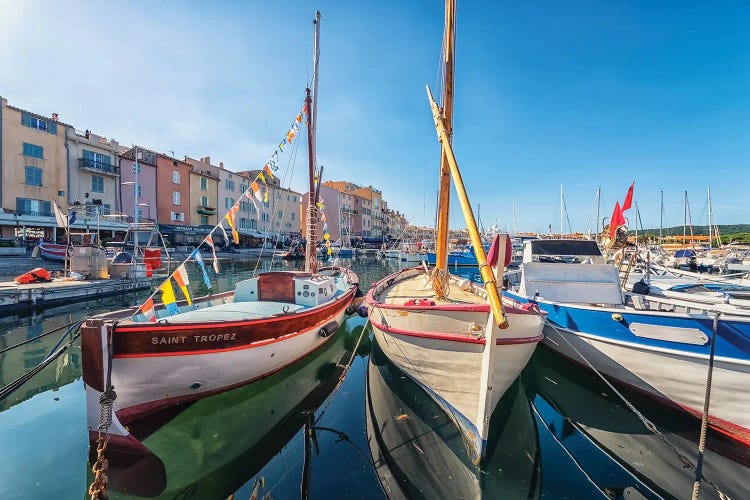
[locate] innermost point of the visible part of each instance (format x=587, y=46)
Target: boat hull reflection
x=211, y=447
x=418, y=452
x=588, y=406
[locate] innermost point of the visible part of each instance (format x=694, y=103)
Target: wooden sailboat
x=450, y=336
x=171, y=353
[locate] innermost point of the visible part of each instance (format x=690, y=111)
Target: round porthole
x=195, y=385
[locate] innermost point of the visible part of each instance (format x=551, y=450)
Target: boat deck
x=235, y=311
x=419, y=287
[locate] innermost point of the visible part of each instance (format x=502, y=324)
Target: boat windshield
x=559, y=248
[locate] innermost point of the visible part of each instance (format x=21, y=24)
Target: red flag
x=616, y=221
x=628, y=198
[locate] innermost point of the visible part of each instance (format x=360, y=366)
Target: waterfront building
x=395, y=223
x=94, y=173
x=279, y=216
x=33, y=172
x=139, y=196
x=173, y=202
x=204, y=192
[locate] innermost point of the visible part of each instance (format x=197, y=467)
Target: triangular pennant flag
x=167, y=296
x=628, y=198
x=181, y=277
x=199, y=259
x=256, y=191
x=210, y=241
x=262, y=177
x=147, y=309
x=298, y=119
x=230, y=218
x=290, y=135
x=268, y=172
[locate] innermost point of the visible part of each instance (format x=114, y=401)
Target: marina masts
x=441, y=239
x=311, y=103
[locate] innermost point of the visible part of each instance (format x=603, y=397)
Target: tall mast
x=441, y=238
x=311, y=257
x=561, y=211
x=684, y=221
x=598, y=204
x=661, y=216
x=709, y=218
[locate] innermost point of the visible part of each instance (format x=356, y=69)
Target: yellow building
x=33, y=172
x=204, y=193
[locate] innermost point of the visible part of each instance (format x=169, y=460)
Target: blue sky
x=582, y=94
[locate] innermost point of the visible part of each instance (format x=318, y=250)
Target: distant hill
x=697, y=230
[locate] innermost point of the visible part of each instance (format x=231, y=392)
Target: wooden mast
x=471, y=224
x=311, y=256
x=441, y=238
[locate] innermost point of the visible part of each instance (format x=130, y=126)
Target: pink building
x=145, y=200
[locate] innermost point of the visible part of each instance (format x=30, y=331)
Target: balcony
x=97, y=166
x=204, y=210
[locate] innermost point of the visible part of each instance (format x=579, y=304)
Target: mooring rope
x=53, y=355
x=706, y=404
x=646, y=422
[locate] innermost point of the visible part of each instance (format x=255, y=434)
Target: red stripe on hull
x=200, y=338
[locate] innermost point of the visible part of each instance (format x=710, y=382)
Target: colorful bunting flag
x=167, y=296
x=199, y=259
x=256, y=191
x=298, y=119
x=267, y=170
x=290, y=135
x=210, y=241
x=147, y=309
x=230, y=216
x=265, y=196
x=262, y=177
x=182, y=279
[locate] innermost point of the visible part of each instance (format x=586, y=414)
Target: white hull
x=670, y=376
x=148, y=383
x=412, y=258
x=456, y=353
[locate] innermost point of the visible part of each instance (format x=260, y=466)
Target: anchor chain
x=98, y=487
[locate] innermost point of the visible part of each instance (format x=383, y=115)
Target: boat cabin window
x=567, y=251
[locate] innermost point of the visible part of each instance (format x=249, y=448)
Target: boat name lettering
x=214, y=337
x=168, y=340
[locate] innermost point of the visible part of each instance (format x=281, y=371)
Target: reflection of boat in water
x=208, y=449
x=419, y=452
x=583, y=411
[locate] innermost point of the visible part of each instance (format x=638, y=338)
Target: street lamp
x=149, y=209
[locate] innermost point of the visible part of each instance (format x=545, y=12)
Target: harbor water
x=344, y=423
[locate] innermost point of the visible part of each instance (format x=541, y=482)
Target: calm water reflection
x=558, y=433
